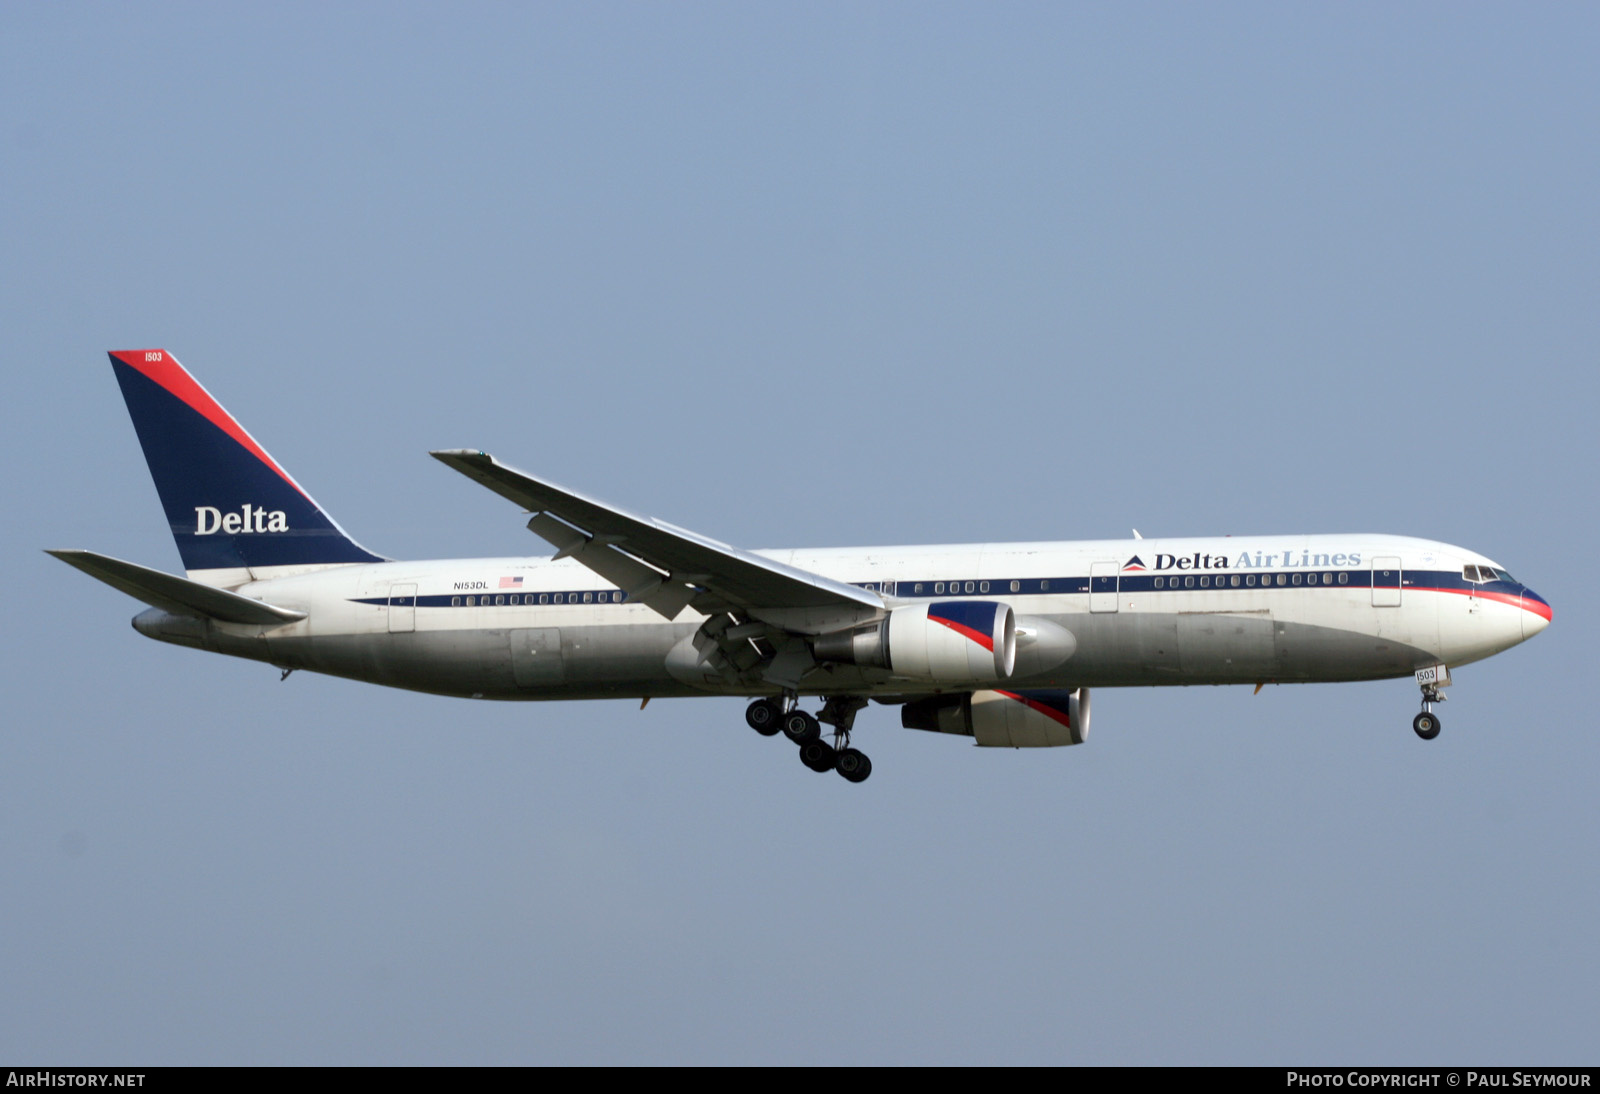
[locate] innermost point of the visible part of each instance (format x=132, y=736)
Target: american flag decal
x=511, y=583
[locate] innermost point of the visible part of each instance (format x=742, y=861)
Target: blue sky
x=796, y=276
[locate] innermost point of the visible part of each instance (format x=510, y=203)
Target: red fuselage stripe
x=1537, y=607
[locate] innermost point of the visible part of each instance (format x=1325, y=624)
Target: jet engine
x=1005, y=719
x=954, y=642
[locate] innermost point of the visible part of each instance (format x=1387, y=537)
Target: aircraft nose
x=1536, y=613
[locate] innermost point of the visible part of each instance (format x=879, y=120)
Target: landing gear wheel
x=764, y=716
x=819, y=756
x=1426, y=724
x=853, y=765
x=800, y=727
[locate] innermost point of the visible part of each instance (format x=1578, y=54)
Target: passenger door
x=1103, y=586
x=1386, y=582
x=402, y=609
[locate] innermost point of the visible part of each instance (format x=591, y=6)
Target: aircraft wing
x=665, y=566
x=176, y=594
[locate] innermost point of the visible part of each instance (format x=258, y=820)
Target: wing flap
x=176, y=594
x=640, y=582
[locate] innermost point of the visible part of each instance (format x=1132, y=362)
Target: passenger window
x=1235, y=581
x=1296, y=579
x=983, y=587
x=1205, y=581
x=938, y=587
x=544, y=598
x=1044, y=586
x=455, y=602
x=558, y=598
x=1016, y=586
x=1188, y=582
x=1250, y=579
x=969, y=586
x=500, y=600
x=1158, y=583
x=917, y=588
x=1344, y=579
x=470, y=601
x=586, y=597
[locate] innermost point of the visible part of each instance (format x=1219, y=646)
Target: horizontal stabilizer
x=175, y=594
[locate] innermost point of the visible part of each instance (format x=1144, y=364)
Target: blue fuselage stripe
x=1137, y=582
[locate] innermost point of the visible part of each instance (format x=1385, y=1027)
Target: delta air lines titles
x=1247, y=560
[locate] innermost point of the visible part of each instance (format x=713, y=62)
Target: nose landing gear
x=1430, y=680
x=770, y=716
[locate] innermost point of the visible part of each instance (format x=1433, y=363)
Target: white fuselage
x=1142, y=612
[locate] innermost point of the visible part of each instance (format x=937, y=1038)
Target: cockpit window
x=1481, y=574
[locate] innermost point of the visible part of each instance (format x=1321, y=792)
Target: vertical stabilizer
x=229, y=504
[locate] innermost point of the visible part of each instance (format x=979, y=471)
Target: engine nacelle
x=951, y=642
x=1005, y=719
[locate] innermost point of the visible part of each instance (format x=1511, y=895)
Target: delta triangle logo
x=1134, y=563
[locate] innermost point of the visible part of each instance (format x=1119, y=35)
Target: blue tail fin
x=229, y=503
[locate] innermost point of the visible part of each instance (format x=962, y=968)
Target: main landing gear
x=770, y=717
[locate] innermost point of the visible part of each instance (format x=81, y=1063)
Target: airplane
x=997, y=642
